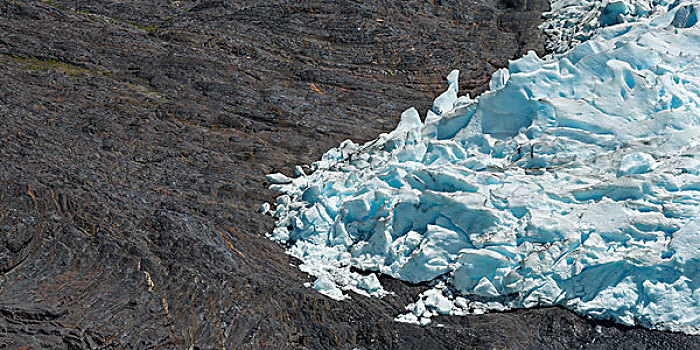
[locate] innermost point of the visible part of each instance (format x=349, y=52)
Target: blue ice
x=574, y=181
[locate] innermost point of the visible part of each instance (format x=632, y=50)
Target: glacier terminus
x=574, y=181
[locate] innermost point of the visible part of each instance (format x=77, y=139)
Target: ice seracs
x=636, y=163
x=571, y=22
x=574, y=182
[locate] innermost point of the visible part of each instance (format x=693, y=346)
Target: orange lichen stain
x=228, y=243
x=29, y=191
x=313, y=87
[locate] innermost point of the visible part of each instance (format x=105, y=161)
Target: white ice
x=575, y=181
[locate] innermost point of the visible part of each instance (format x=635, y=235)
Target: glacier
x=571, y=22
x=574, y=181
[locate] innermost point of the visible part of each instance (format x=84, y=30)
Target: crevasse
x=574, y=181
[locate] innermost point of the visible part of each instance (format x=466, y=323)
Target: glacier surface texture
x=574, y=181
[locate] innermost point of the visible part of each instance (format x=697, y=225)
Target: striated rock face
x=135, y=137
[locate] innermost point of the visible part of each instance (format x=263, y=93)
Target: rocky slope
x=134, y=142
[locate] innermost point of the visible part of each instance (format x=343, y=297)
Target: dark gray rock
x=135, y=138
